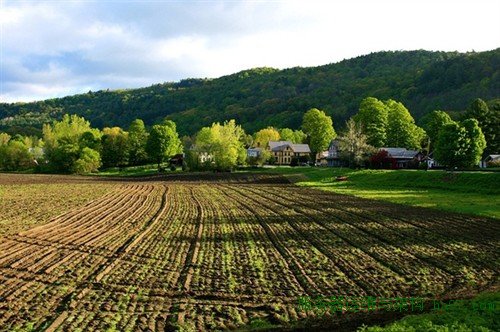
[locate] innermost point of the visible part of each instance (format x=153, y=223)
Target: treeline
x=73, y=146
x=262, y=97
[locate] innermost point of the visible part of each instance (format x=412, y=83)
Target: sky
x=56, y=48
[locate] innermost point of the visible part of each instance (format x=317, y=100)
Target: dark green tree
x=432, y=123
x=489, y=122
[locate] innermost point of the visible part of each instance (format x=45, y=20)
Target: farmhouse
x=403, y=158
x=285, y=151
x=333, y=157
x=490, y=159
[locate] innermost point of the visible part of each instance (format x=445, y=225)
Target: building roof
x=401, y=153
x=254, y=149
x=493, y=157
x=281, y=145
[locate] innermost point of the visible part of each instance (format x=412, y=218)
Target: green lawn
x=476, y=193
x=478, y=314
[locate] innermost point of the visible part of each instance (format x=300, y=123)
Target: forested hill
x=422, y=80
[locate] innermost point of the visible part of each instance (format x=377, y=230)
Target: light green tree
x=223, y=144
x=263, y=136
x=460, y=144
x=137, y=139
x=163, y=142
x=14, y=156
x=63, y=141
x=89, y=161
x=319, y=129
x=401, y=129
x=294, y=136
x=373, y=117
x=115, y=145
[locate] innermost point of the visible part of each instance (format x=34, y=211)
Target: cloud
x=52, y=48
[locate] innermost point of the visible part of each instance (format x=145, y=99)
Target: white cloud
x=54, y=48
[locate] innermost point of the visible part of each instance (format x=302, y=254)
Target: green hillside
x=259, y=97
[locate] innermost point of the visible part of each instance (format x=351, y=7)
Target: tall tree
x=432, y=123
x=460, y=144
x=354, y=147
x=263, y=136
x=489, y=122
x=319, y=129
x=14, y=156
x=137, y=139
x=401, y=129
x=223, y=144
x=476, y=142
x=294, y=136
x=63, y=141
x=163, y=142
x=114, y=143
x=372, y=116
x=89, y=161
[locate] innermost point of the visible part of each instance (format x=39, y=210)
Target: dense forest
x=424, y=81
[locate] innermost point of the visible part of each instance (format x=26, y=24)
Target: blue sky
x=56, y=48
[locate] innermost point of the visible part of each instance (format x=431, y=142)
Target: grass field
x=225, y=251
x=476, y=193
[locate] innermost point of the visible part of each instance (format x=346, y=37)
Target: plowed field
x=218, y=252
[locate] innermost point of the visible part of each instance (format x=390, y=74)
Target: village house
x=403, y=158
x=284, y=151
x=492, y=158
x=333, y=157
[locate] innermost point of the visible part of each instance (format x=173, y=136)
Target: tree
x=476, y=140
x=114, y=143
x=432, y=123
x=91, y=139
x=401, y=129
x=14, y=156
x=353, y=145
x=4, y=139
x=372, y=116
x=89, y=161
x=319, y=129
x=294, y=136
x=489, y=122
x=460, y=144
x=163, y=142
x=223, y=144
x=63, y=141
x=263, y=136
x=137, y=139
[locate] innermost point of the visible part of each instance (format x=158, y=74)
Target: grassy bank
x=476, y=193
